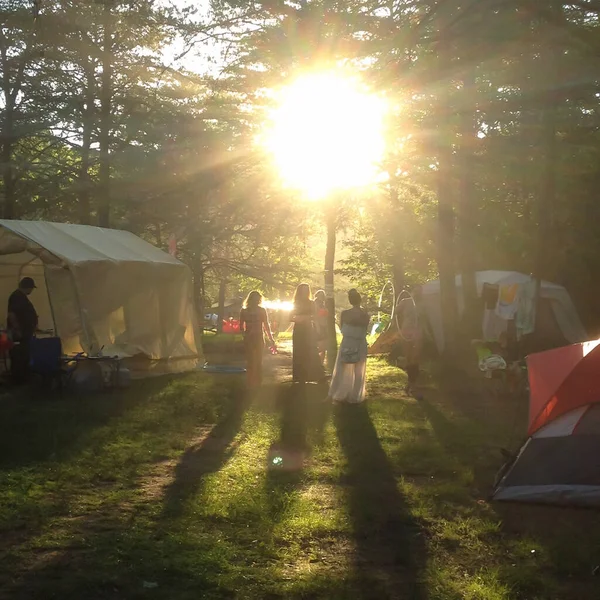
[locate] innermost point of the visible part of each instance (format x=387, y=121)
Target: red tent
x=560, y=462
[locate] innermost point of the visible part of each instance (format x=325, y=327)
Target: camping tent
x=102, y=288
x=560, y=462
x=558, y=321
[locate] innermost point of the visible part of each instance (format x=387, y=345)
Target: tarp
x=563, y=309
x=103, y=288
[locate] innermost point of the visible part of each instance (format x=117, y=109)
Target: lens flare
x=327, y=134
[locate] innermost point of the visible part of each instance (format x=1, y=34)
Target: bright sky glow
x=327, y=134
x=278, y=305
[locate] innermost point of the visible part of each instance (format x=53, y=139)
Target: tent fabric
x=562, y=495
x=560, y=301
x=568, y=380
x=75, y=244
x=560, y=461
x=103, y=289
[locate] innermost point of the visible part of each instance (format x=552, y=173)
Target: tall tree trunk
x=546, y=204
x=467, y=209
x=221, y=309
x=105, y=118
x=398, y=267
x=199, y=293
x=10, y=94
x=445, y=212
x=8, y=180
x=331, y=223
x=85, y=184
x=445, y=251
x=397, y=257
x=7, y=140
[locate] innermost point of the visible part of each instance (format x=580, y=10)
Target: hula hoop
x=387, y=283
x=405, y=294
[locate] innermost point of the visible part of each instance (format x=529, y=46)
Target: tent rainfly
x=560, y=461
x=104, y=289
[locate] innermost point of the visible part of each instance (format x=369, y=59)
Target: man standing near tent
x=22, y=323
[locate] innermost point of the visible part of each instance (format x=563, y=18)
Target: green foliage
x=494, y=108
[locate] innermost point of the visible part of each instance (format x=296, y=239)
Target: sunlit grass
x=167, y=485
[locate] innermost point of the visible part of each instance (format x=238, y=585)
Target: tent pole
x=86, y=333
x=50, y=303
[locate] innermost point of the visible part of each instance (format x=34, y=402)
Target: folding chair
x=46, y=361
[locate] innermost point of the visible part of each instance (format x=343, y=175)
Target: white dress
x=348, y=383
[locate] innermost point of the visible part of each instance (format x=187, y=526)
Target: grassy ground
x=186, y=488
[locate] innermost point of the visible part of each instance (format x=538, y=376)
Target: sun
x=326, y=134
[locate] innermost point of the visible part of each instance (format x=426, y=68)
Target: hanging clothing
x=508, y=301
x=492, y=325
x=490, y=296
x=348, y=383
x=526, y=308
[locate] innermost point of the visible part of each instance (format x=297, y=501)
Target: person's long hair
x=320, y=298
x=253, y=299
x=302, y=294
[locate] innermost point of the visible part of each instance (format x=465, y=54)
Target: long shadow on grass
x=303, y=415
x=472, y=443
x=209, y=455
x=35, y=426
x=389, y=543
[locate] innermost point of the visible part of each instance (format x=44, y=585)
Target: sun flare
x=327, y=134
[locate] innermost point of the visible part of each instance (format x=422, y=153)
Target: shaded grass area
x=187, y=487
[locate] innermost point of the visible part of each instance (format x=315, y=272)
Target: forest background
x=145, y=115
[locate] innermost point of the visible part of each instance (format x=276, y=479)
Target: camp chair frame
x=47, y=363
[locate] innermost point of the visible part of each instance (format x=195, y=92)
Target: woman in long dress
x=254, y=323
x=306, y=365
x=349, y=380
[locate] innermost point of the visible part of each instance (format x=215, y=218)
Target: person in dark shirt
x=22, y=323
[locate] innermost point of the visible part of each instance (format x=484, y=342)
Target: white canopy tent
x=562, y=306
x=103, y=288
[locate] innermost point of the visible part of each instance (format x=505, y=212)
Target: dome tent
x=104, y=289
x=557, y=324
x=560, y=461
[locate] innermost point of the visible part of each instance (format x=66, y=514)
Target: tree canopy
x=145, y=115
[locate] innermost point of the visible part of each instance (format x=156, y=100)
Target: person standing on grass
x=254, y=323
x=22, y=323
x=306, y=365
x=349, y=380
x=321, y=324
x=411, y=333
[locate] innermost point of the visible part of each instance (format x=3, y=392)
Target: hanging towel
x=526, y=309
x=492, y=326
x=508, y=301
